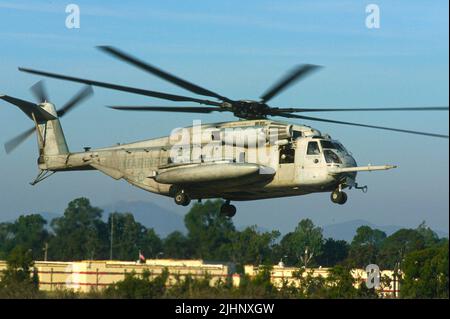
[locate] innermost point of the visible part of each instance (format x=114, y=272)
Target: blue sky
x=239, y=49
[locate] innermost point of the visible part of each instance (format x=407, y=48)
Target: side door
x=286, y=163
x=311, y=161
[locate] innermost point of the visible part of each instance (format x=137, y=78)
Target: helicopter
x=252, y=158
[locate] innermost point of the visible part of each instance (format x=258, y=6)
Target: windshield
x=331, y=157
x=332, y=146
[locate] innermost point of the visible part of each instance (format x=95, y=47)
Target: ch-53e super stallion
x=252, y=158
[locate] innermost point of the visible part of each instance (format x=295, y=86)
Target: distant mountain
x=347, y=230
x=150, y=215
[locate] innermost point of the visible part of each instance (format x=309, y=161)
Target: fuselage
x=240, y=160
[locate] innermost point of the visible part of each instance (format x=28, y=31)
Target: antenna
x=112, y=238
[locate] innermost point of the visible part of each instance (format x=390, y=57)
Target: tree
x=341, y=283
x=19, y=280
x=365, y=246
x=208, y=231
x=5, y=236
x=429, y=236
x=303, y=244
x=396, y=246
x=139, y=286
x=152, y=244
x=130, y=237
x=426, y=273
x=252, y=247
x=333, y=252
x=29, y=232
x=177, y=245
x=80, y=233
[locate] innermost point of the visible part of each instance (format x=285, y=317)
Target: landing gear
x=228, y=210
x=181, y=198
x=338, y=197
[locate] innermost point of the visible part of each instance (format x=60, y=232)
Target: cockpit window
x=313, y=148
x=340, y=147
x=331, y=157
x=296, y=134
x=332, y=146
x=327, y=144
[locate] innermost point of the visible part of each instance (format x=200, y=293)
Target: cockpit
x=333, y=151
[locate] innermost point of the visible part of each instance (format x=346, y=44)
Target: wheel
x=338, y=197
x=228, y=210
x=181, y=198
x=343, y=198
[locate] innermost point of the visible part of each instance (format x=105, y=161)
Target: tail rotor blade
x=39, y=91
x=83, y=94
x=19, y=139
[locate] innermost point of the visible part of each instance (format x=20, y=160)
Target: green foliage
x=177, y=245
x=309, y=286
x=303, y=245
x=139, y=287
x=365, y=247
x=396, y=246
x=130, y=237
x=80, y=233
x=334, y=252
x=430, y=238
x=19, y=280
x=258, y=287
x=28, y=232
x=426, y=273
x=251, y=247
x=209, y=230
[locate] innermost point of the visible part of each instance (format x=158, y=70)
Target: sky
x=239, y=49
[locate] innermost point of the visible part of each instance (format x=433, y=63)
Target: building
x=83, y=276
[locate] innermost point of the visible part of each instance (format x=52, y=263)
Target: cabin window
x=215, y=135
x=313, y=148
x=287, y=155
x=296, y=134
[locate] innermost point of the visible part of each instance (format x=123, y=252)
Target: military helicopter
x=249, y=159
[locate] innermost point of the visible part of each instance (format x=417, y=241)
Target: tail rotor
x=42, y=111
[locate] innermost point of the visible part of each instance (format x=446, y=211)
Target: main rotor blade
x=185, y=109
x=159, y=95
x=19, y=139
x=358, y=124
x=295, y=75
x=430, y=108
x=83, y=94
x=160, y=73
x=39, y=92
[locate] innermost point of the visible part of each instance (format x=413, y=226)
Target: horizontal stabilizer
x=29, y=108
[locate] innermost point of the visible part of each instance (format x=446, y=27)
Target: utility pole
x=112, y=238
x=45, y=251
